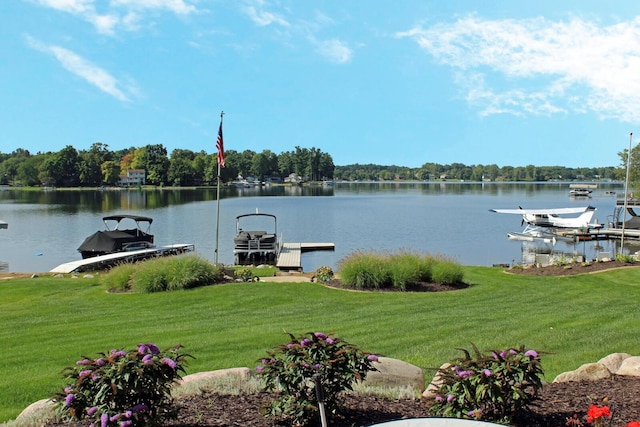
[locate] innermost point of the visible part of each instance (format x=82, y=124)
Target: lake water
x=452, y=219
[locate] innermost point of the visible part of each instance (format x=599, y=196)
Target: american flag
x=220, y=147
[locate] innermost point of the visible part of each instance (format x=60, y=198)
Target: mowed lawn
x=49, y=323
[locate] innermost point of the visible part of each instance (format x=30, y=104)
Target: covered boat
x=117, y=238
x=255, y=245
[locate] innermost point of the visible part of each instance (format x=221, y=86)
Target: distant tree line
x=459, y=171
x=99, y=166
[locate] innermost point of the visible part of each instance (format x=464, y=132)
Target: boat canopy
x=136, y=218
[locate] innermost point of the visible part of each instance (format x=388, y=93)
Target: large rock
x=395, y=373
x=613, y=361
x=586, y=372
x=37, y=413
x=241, y=373
x=630, y=367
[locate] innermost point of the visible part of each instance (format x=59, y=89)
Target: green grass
x=48, y=323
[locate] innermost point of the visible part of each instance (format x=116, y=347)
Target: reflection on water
x=453, y=219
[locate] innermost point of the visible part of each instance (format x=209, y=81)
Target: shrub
x=296, y=367
x=625, y=258
x=324, y=274
x=162, y=274
x=122, y=388
x=245, y=274
x=492, y=387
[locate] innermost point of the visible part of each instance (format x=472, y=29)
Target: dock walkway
x=290, y=256
x=109, y=260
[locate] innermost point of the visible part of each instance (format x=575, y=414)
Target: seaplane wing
x=552, y=211
x=556, y=217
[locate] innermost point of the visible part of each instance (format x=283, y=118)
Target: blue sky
x=400, y=82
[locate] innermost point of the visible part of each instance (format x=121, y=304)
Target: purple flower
x=92, y=410
x=84, y=373
x=69, y=399
x=330, y=340
x=289, y=345
x=128, y=414
x=115, y=417
x=259, y=368
x=372, y=357
x=513, y=351
x=495, y=355
x=126, y=423
x=68, y=389
x=100, y=362
x=450, y=398
x=104, y=420
x=83, y=362
x=317, y=366
x=141, y=407
x=118, y=353
x=148, y=359
x=320, y=335
x=153, y=348
x=305, y=342
x=465, y=374
x=531, y=353
x=142, y=348
x=486, y=372
x=439, y=399
x=169, y=362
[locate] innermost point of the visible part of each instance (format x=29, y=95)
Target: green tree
x=110, y=172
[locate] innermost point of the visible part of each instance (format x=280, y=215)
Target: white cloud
x=334, y=50
x=83, y=68
x=261, y=17
x=543, y=67
x=120, y=13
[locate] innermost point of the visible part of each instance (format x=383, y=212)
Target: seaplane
x=543, y=224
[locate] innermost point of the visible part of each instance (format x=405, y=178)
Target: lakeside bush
x=163, y=274
x=306, y=363
x=371, y=270
x=125, y=389
x=490, y=387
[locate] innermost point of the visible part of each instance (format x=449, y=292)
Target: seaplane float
x=543, y=225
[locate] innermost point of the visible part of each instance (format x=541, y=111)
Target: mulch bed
x=556, y=403
x=571, y=269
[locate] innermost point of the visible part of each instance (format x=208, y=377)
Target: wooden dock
x=290, y=256
x=105, y=261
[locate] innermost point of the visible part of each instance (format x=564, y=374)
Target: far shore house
x=133, y=177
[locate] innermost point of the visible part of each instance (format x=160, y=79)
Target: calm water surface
x=453, y=219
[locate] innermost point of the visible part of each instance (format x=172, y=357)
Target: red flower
x=633, y=424
x=596, y=412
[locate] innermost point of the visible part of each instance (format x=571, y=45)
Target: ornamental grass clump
x=163, y=274
x=401, y=271
x=490, y=387
x=313, y=359
x=122, y=388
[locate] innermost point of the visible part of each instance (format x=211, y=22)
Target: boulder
x=240, y=373
x=586, y=372
x=431, y=392
x=37, y=413
x=613, y=361
x=395, y=373
x=630, y=367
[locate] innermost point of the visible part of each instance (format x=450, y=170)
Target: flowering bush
x=491, y=387
x=295, y=367
x=122, y=388
x=324, y=274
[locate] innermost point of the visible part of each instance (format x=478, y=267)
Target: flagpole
x=626, y=198
x=218, y=193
